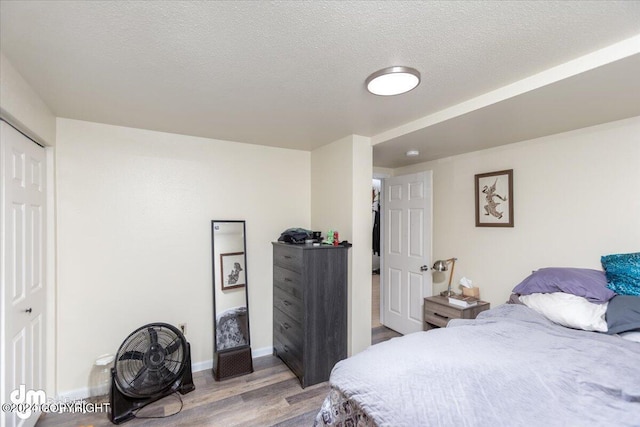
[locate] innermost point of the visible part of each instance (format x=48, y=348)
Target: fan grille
x=150, y=360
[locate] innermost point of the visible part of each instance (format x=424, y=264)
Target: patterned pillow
x=623, y=273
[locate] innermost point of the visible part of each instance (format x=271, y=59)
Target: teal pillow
x=623, y=273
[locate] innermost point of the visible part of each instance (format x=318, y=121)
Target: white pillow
x=631, y=336
x=569, y=310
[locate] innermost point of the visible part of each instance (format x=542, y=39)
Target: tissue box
x=471, y=292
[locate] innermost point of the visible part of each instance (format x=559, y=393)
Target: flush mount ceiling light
x=412, y=153
x=393, y=81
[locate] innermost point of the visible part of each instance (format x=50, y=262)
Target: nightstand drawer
x=442, y=310
x=436, y=319
x=438, y=312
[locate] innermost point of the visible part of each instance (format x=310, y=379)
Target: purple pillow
x=583, y=282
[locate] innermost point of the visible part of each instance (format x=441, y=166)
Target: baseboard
x=202, y=366
x=259, y=352
x=83, y=393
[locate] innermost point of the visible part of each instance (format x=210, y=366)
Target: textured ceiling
x=289, y=74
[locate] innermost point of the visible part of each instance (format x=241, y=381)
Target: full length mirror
x=230, y=299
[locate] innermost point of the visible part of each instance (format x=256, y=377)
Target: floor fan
x=153, y=362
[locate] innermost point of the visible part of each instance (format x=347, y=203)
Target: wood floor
x=270, y=396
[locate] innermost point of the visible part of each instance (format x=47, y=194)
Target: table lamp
x=441, y=265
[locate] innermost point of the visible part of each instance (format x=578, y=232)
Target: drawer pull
x=286, y=348
x=286, y=279
x=440, y=316
x=287, y=257
x=285, y=302
x=286, y=325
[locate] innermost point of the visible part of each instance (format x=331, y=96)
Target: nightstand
x=438, y=312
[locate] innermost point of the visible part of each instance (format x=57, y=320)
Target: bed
x=511, y=366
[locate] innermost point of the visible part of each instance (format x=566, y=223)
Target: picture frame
x=232, y=270
x=494, y=199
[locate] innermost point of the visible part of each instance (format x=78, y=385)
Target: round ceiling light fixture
x=412, y=153
x=393, y=81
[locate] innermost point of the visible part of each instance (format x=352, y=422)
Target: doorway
x=379, y=332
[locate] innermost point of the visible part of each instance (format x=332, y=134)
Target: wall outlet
x=183, y=328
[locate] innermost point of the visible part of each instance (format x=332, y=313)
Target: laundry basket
x=100, y=379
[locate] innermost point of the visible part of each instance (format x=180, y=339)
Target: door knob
x=28, y=310
x=424, y=268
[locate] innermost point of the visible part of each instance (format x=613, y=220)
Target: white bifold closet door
x=23, y=272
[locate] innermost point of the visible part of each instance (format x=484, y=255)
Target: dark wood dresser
x=310, y=309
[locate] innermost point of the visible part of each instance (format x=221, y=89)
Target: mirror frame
x=217, y=273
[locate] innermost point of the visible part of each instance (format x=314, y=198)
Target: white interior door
x=407, y=228
x=22, y=257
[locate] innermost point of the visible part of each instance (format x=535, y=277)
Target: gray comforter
x=510, y=367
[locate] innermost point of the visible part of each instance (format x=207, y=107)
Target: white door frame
x=381, y=177
x=52, y=299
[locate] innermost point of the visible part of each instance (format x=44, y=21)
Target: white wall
x=341, y=199
x=576, y=196
x=134, y=233
x=21, y=106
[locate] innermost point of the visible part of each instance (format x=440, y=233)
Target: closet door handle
x=286, y=279
x=285, y=302
x=287, y=257
x=286, y=325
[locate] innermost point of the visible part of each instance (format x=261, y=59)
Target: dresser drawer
x=288, y=257
x=287, y=280
x=288, y=353
x=288, y=304
x=288, y=328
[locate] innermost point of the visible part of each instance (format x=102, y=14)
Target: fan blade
x=159, y=377
x=153, y=335
x=132, y=355
x=166, y=373
x=171, y=348
x=140, y=377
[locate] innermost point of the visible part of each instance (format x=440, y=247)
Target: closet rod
x=2, y=119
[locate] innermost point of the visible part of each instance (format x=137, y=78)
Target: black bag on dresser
x=294, y=235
